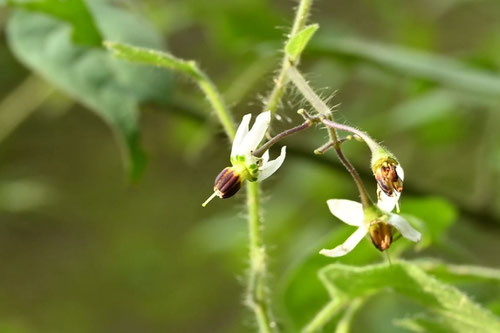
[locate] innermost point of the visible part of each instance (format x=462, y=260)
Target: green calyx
x=380, y=157
x=246, y=171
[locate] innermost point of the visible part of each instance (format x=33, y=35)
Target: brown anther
x=388, y=179
x=381, y=235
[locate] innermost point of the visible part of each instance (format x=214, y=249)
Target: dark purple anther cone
x=227, y=183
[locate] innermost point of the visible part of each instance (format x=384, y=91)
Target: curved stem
x=217, y=102
x=305, y=125
x=324, y=316
x=323, y=109
x=281, y=80
x=366, y=138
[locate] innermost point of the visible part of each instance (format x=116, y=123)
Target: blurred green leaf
x=345, y=283
x=22, y=195
x=74, y=12
x=424, y=65
x=460, y=273
x=423, y=109
x=189, y=68
x=423, y=324
x=113, y=89
x=297, y=43
x=431, y=215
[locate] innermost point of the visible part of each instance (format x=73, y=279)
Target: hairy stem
x=305, y=125
x=320, y=106
x=281, y=80
x=365, y=137
x=257, y=297
x=217, y=102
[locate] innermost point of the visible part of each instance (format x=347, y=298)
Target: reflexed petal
x=404, y=228
x=386, y=202
x=400, y=172
x=348, y=211
x=256, y=134
x=270, y=167
x=348, y=245
x=265, y=157
x=240, y=135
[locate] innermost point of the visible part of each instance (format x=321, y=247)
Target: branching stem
x=320, y=106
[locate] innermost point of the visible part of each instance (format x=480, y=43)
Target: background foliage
x=82, y=250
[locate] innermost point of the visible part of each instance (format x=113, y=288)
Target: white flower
x=246, y=166
x=389, y=176
x=352, y=213
x=246, y=142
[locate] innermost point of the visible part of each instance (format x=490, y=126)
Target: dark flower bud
x=226, y=184
x=381, y=235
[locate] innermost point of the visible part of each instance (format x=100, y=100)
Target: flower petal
x=348, y=245
x=348, y=211
x=400, y=172
x=404, y=227
x=256, y=134
x=270, y=167
x=386, y=202
x=265, y=157
x=240, y=135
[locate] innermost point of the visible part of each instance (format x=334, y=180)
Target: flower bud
x=389, y=176
x=381, y=235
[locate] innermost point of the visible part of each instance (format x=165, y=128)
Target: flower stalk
x=320, y=106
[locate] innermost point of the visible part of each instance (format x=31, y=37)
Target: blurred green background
x=83, y=250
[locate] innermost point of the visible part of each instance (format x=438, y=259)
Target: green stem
x=344, y=324
x=217, y=102
x=257, y=297
x=21, y=103
x=281, y=80
x=324, y=316
x=323, y=109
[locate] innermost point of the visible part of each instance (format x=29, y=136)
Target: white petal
x=348, y=211
x=268, y=168
x=348, y=245
x=400, y=172
x=256, y=134
x=404, y=228
x=240, y=135
x=386, y=202
x=265, y=157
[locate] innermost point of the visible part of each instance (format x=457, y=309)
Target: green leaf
x=162, y=59
x=74, y=12
x=415, y=63
x=153, y=58
x=112, y=88
x=431, y=215
x=423, y=324
x=345, y=283
x=297, y=43
x=460, y=273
